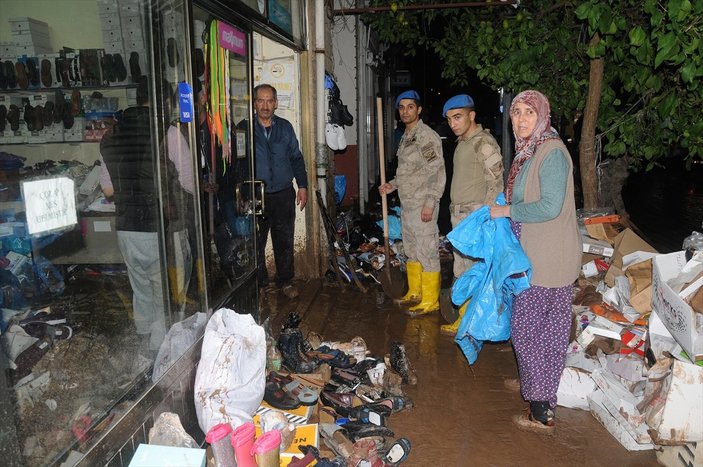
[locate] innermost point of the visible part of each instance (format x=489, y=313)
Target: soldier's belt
x=462, y=208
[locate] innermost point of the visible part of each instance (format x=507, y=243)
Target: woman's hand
x=499, y=211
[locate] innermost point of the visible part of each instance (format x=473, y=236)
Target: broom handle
x=384, y=200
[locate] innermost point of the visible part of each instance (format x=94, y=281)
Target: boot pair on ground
x=423, y=295
x=423, y=290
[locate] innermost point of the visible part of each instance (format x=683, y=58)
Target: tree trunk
x=587, y=154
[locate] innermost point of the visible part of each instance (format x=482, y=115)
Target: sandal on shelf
x=526, y=422
x=398, y=452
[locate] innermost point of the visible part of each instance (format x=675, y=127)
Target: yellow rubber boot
x=414, y=273
x=451, y=329
x=430, y=295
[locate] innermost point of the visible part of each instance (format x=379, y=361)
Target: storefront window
x=101, y=250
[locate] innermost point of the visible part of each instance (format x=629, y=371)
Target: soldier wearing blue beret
x=477, y=178
x=420, y=180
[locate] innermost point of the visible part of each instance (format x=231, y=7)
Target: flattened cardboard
x=626, y=242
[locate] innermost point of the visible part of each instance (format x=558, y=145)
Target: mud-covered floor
x=461, y=415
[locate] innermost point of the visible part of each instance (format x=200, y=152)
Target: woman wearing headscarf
x=541, y=207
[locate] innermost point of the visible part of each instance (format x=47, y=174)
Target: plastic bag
x=168, y=431
x=179, y=338
x=395, y=226
x=490, y=284
x=231, y=376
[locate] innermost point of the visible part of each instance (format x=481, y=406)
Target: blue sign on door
x=185, y=102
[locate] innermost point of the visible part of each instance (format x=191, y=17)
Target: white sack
x=229, y=383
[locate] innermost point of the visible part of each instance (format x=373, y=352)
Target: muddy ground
x=462, y=415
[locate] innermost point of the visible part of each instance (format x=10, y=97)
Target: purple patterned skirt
x=540, y=327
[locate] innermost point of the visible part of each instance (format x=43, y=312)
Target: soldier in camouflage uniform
x=420, y=180
x=477, y=178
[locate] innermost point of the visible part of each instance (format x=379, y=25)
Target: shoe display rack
x=70, y=94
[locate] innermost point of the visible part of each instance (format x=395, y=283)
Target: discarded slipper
x=276, y=395
x=336, y=439
x=358, y=430
x=366, y=414
x=346, y=377
x=333, y=357
x=342, y=403
x=398, y=452
x=306, y=394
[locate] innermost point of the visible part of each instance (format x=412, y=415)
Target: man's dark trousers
x=279, y=218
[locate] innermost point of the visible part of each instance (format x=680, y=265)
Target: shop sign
x=232, y=39
x=280, y=14
x=50, y=204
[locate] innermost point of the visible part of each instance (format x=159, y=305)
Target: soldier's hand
x=426, y=214
x=385, y=189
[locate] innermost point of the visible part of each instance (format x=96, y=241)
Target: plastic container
x=219, y=439
x=266, y=449
x=242, y=440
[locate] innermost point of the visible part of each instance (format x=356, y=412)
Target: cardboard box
x=615, y=423
x=597, y=247
x=676, y=413
x=625, y=242
x=152, y=455
x=685, y=325
x=640, y=278
x=574, y=387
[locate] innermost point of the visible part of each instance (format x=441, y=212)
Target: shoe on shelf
x=290, y=291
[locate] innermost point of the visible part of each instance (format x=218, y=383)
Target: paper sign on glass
x=50, y=204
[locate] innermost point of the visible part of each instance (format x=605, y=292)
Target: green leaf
x=688, y=72
x=666, y=106
x=583, y=10
x=637, y=36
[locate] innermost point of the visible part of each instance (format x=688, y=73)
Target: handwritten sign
x=50, y=204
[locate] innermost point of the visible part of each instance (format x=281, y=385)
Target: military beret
x=457, y=102
x=407, y=95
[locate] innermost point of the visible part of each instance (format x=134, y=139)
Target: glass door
x=222, y=64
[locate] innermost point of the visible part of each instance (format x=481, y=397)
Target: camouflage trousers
x=462, y=263
x=420, y=239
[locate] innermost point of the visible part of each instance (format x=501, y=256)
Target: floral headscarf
x=526, y=147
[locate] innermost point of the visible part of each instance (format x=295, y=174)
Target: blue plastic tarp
x=502, y=272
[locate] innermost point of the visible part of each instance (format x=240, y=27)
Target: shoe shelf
x=61, y=115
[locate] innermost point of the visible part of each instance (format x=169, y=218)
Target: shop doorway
x=227, y=196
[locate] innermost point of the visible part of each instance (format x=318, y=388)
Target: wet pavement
x=461, y=415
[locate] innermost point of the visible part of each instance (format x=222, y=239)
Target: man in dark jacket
x=278, y=161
